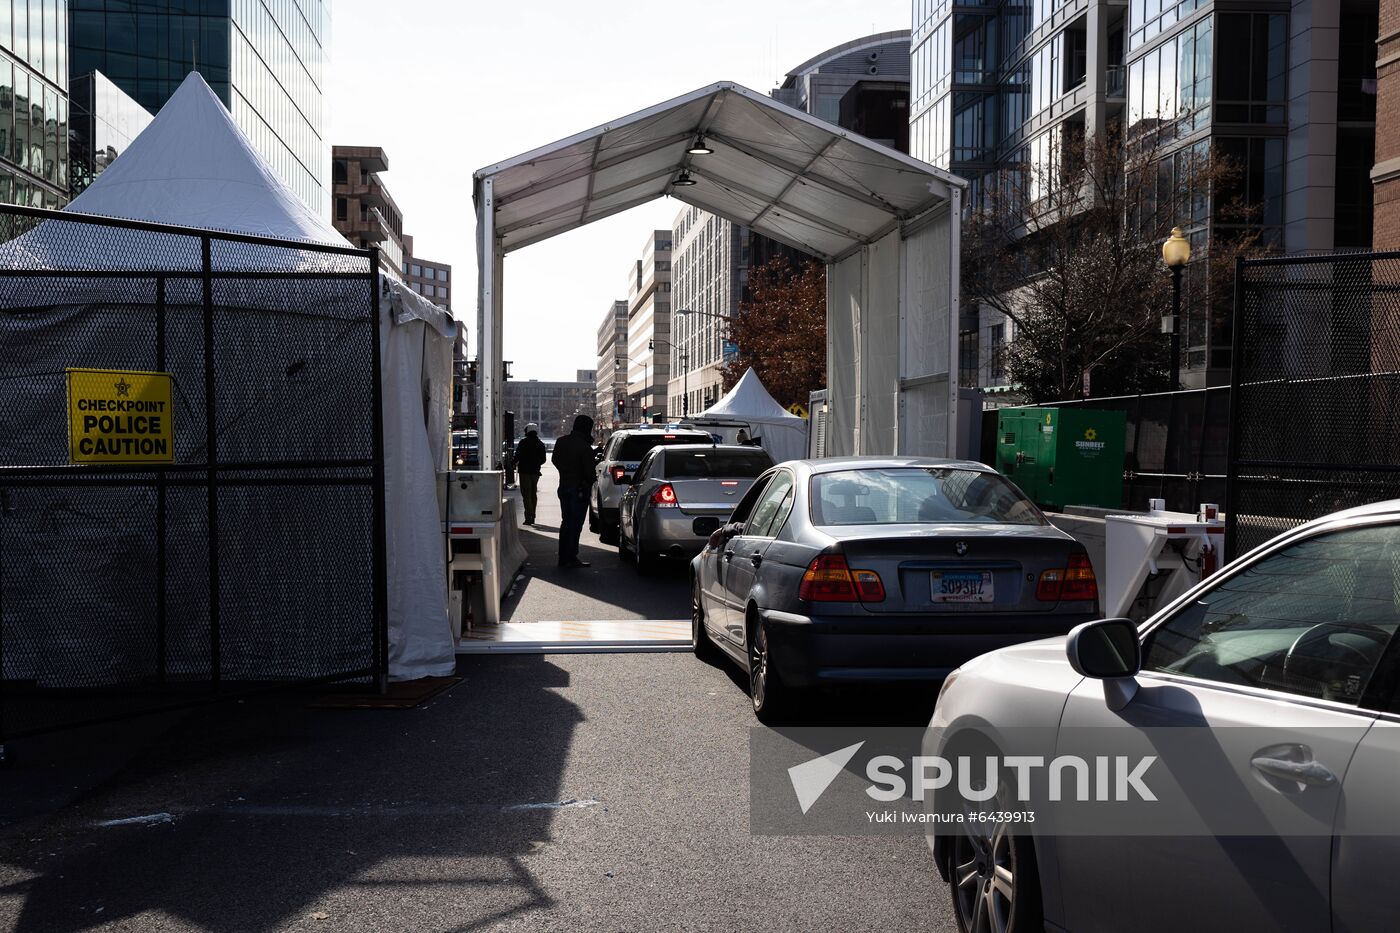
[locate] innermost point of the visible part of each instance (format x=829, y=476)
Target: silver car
x=680, y=495
x=620, y=458
x=1286, y=662
x=880, y=569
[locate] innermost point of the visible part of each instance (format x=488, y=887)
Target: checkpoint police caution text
x=120, y=416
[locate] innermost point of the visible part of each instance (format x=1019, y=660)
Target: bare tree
x=1067, y=246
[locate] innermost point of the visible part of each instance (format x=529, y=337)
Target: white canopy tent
x=782, y=434
x=883, y=222
x=193, y=167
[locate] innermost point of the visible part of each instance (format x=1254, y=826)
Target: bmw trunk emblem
x=961, y=548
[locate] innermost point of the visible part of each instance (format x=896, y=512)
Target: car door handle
x=756, y=558
x=728, y=555
x=1309, y=773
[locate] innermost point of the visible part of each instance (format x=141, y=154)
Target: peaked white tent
x=193, y=167
x=783, y=434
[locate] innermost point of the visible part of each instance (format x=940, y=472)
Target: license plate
x=962, y=586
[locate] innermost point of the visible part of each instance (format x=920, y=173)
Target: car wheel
x=994, y=881
x=772, y=699
x=609, y=534
x=646, y=562
x=700, y=642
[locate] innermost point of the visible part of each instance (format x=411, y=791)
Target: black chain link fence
x=1316, y=374
x=256, y=557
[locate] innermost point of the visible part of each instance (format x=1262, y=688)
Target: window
x=1251, y=87
x=761, y=524
x=442, y=275
x=727, y=464
x=341, y=209
x=417, y=270
x=996, y=352
x=916, y=495
x=1311, y=620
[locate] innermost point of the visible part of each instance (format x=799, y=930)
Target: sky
x=449, y=87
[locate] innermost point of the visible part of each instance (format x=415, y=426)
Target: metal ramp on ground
x=622, y=636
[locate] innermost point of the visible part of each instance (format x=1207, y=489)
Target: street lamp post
x=1176, y=253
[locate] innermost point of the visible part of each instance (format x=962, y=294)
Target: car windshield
x=635, y=446
x=918, y=495
x=729, y=464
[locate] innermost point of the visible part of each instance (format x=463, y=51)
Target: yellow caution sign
x=798, y=409
x=119, y=416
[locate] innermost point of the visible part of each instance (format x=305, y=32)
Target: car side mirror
x=1107, y=650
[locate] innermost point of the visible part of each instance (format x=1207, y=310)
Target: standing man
x=573, y=458
x=529, y=458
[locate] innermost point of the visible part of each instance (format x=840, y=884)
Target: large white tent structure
x=782, y=434
x=193, y=167
x=885, y=224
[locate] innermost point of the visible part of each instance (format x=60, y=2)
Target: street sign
x=731, y=350
x=119, y=416
x=798, y=409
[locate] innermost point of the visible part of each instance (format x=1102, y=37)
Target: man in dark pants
x=529, y=458
x=573, y=458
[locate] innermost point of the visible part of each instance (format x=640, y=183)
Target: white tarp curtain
x=889, y=345
x=193, y=167
x=782, y=434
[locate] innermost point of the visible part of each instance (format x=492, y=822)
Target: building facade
x=648, y=358
x=104, y=121
x=1385, y=174
x=363, y=210
x=1283, y=89
x=551, y=405
x=862, y=85
x=611, y=374
x=427, y=277
x=34, y=102
x=265, y=61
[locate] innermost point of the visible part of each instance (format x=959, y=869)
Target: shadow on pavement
x=265, y=813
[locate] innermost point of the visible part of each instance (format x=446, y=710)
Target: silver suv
x=621, y=457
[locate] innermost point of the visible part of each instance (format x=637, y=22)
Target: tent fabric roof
x=193, y=167
x=749, y=399
x=781, y=172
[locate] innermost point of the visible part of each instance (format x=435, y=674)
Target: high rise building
x=1385, y=176
x=103, y=121
x=363, y=210
x=34, y=102
x=1285, y=91
x=648, y=358
x=862, y=85
x=264, y=61
x=611, y=374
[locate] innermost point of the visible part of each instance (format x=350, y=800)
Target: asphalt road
x=269, y=815
x=609, y=590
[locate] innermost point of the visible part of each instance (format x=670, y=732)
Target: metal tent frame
x=786, y=175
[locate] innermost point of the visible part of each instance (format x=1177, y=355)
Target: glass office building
x=34, y=102
x=263, y=58
x=1286, y=92
x=104, y=122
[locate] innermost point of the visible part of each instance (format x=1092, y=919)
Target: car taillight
x=664, y=497
x=1074, y=581
x=829, y=580
x=618, y=473
x=1080, y=582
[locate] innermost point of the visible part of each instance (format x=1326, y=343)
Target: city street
x=267, y=814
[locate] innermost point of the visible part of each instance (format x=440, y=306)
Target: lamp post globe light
x=1176, y=253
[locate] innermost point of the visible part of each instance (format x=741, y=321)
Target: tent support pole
x=211, y=460
x=381, y=543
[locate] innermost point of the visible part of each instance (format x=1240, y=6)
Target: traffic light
x=621, y=408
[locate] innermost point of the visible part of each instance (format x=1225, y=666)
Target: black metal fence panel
x=255, y=554
x=1317, y=385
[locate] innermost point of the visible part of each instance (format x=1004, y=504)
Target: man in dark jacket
x=573, y=458
x=529, y=458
